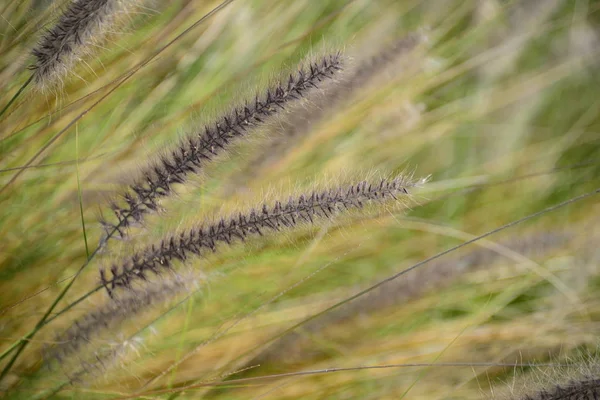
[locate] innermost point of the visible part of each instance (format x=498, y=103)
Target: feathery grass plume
x=301, y=119
x=111, y=314
x=576, y=377
x=586, y=389
x=305, y=208
x=104, y=361
x=107, y=359
x=202, y=146
x=298, y=346
x=81, y=26
x=375, y=64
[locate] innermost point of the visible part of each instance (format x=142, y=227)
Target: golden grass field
x=494, y=105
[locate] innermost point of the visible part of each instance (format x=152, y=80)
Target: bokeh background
x=497, y=103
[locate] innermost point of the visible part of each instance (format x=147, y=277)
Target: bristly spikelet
x=201, y=146
x=586, y=389
x=82, y=25
x=281, y=215
x=297, y=347
x=299, y=121
x=575, y=377
x=378, y=62
x=109, y=315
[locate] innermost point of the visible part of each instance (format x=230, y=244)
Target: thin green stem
x=188, y=317
x=87, y=250
x=23, y=342
x=14, y=98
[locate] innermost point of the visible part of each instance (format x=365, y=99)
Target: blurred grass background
x=499, y=105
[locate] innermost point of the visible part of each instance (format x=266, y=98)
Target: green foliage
x=498, y=105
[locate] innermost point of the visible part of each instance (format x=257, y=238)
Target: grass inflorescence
x=109, y=315
x=302, y=209
x=81, y=27
x=574, y=390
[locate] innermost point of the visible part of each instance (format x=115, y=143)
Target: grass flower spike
x=587, y=389
x=298, y=122
x=82, y=25
x=109, y=315
x=305, y=208
x=299, y=346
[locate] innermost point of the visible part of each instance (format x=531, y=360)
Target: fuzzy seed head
x=109, y=315
x=586, y=389
x=281, y=215
x=83, y=24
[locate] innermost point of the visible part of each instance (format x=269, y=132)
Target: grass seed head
x=306, y=208
x=83, y=25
